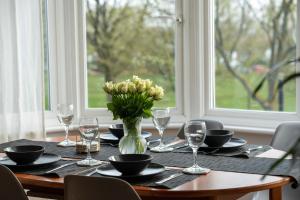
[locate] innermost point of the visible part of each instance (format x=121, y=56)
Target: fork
x=168, y=178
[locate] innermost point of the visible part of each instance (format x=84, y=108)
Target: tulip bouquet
x=132, y=100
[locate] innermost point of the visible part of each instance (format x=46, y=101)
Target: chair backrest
x=10, y=187
x=97, y=188
x=210, y=125
x=285, y=135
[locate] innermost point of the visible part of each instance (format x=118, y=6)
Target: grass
x=229, y=94
x=97, y=97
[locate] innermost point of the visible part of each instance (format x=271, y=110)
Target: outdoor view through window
x=130, y=37
x=253, y=38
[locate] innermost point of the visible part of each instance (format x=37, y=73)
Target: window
x=125, y=38
x=253, y=38
x=247, y=40
x=91, y=42
x=208, y=55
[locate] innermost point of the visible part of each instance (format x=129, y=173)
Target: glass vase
x=132, y=142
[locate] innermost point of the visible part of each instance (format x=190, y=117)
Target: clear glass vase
x=132, y=142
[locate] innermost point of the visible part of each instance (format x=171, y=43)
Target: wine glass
x=65, y=117
x=161, y=118
x=89, y=129
x=195, y=132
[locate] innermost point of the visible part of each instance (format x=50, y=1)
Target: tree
x=260, y=36
x=126, y=37
x=112, y=32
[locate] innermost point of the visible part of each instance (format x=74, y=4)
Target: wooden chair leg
x=275, y=193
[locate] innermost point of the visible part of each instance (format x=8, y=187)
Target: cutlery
x=113, y=145
x=92, y=169
x=62, y=166
x=92, y=172
x=168, y=178
x=182, y=146
x=253, y=149
x=151, y=141
x=3, y=158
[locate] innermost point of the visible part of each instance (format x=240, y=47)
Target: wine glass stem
x=195, y=156
x=161, y=133
x=88, y=146
x=67, y=132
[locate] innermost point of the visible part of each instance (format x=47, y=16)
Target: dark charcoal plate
x=232, y=144
x=45, y=159
x=152, y=170
x=110, y=137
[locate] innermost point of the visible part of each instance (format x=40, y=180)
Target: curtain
x=21, y=70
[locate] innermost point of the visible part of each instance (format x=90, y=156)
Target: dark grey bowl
x=24, y=154
x=130, y=164
x=217, y=138
x=117, y=130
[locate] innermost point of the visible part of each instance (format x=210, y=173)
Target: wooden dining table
x=216, y=185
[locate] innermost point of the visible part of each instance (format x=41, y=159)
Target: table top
x=215, y=183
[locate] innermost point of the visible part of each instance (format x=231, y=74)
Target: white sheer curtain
x=21, y=71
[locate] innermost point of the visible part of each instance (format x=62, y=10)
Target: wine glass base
x=67, y=143
x=161, y=149
x=196, y=170
x=89, y=162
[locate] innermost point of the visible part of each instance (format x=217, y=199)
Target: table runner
x=220, y=163
x=79, y=170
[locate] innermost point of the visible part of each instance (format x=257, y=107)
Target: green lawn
x=229, y=94
x=97, y=97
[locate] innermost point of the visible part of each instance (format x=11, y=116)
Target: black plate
x=45, y=159
x=151, y=170
x=232, y=144
x=110, y=137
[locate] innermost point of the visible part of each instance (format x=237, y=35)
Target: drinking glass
x=65, y=117
x=195, y=132
x=161, y=118
x=89, y=129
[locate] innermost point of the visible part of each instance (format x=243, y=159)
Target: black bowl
x=117, y=130
x=24, y=154
x=130, y=164
x=217, y=138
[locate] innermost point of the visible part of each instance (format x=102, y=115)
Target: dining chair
x=210, y=125
x=10, y=187
x=284, y=137
x=98, y=188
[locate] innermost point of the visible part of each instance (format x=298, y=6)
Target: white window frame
x=194, y=69
x=67, y=52
x=243, y=120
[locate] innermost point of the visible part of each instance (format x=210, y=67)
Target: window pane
x=130, y=37
x=253, y=38
x=45, y=54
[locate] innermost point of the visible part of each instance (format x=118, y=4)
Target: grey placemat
x=150, y=181
x=79, y=170
x=236, y=152
x=221, y=163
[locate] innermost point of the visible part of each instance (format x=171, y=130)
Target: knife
x=62, y=166
x=168, y=178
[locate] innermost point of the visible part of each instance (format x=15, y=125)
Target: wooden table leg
x=275, y=193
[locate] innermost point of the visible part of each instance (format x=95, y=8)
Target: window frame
x=68, y=72
x=250, y=120
x=194, y=69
